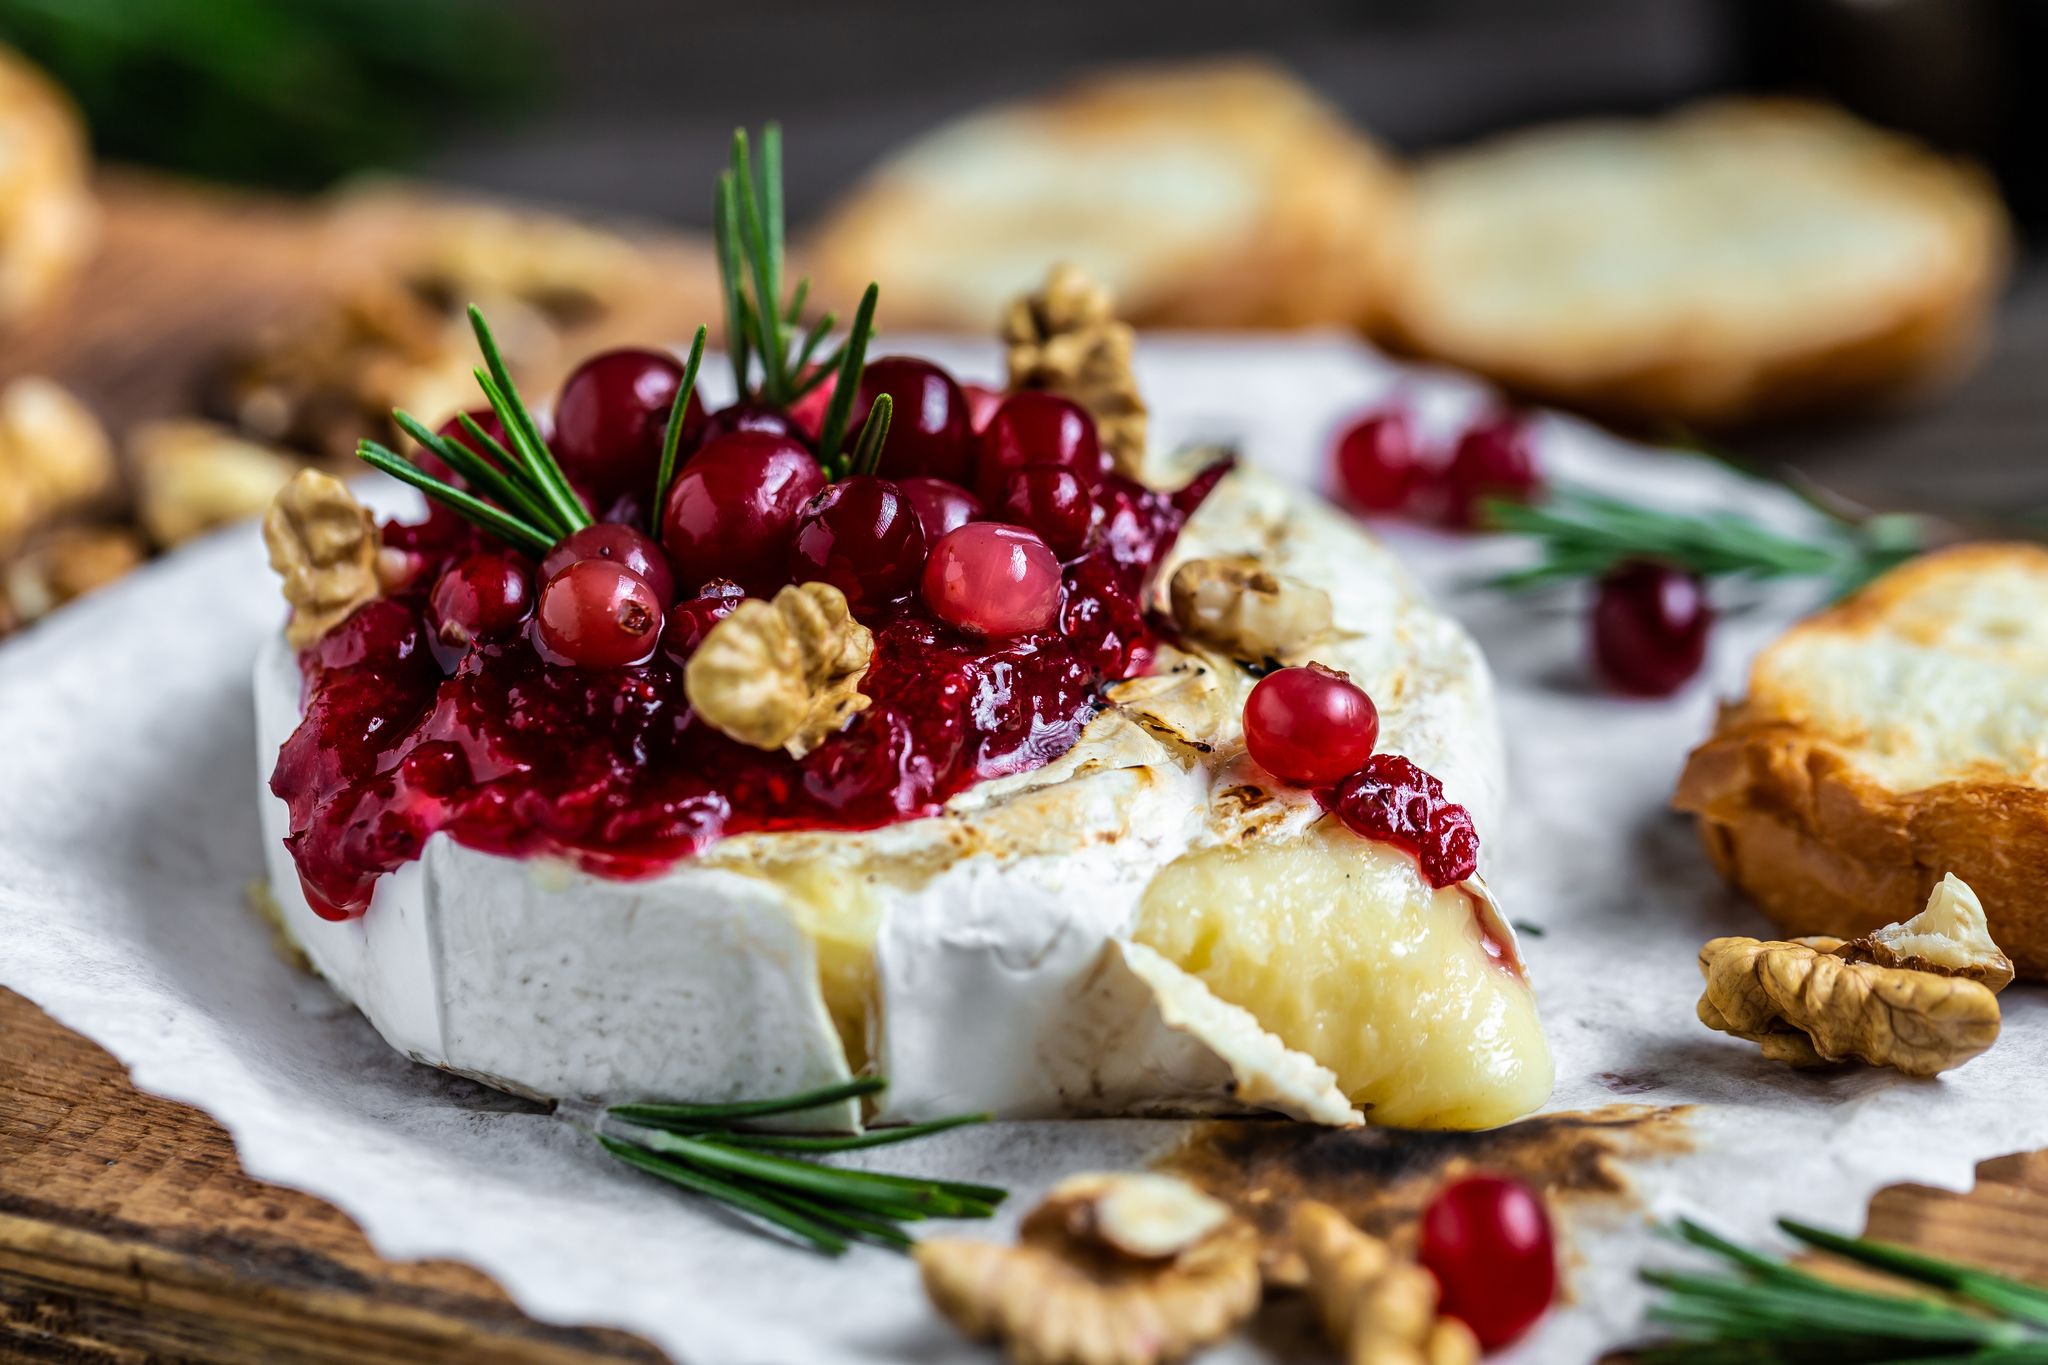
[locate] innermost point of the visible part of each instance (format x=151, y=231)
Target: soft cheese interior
x=1145, y=925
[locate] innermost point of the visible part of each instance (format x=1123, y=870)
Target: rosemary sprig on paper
x=1582, y=534
x=1766, y=1310
x=700, y=1148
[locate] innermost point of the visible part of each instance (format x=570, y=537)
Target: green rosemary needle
x=500, y=523
x=853, y=359
x=867, y=447
x=672, y=439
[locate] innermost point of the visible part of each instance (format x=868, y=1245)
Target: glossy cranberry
x=862, y=536
x=597, y=614
x=994, y=580
x=1037, y=428
x=479, y=597
x=1051, y=500
x=1487, y=1240
x=734, y=508
x=940, y=504
x=1650, y=626
x=691, y=619
x=1494, y=459
x=1391, y=800
x=1309, y=725
x=623, y=545
x=752, y=417
x=928, y=431
x=982, y=402
x=612, y=415
x=1379, y=461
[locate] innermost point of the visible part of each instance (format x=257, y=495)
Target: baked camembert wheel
x=929, y=753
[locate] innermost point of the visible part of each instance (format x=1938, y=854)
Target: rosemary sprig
x=852, y=358
x=671, y=440
x=1767, y=1310
x=699, y=1148
x=1582, y=534
x=866, y=456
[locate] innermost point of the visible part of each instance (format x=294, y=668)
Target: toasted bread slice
x=1213, y=195
x=1891, y=739
x=1736, y=261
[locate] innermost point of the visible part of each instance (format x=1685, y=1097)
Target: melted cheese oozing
x=1337, y=948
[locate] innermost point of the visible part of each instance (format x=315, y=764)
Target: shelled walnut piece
x=1377, y=1308
x=783, y=674
x=1918, y=996
x=54, y=456
x=191, y=477
x=64, y=564
x=1244, y=610
x=1111, y=1269
x=1066, y=338
x=325, y=544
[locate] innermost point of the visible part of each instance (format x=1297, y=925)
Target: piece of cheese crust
x=1148, y=924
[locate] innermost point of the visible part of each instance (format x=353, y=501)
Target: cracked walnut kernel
x=325, y=545
x=1234, y=605
x=783, y=674
x=1066, y=339
x=1377, y=1308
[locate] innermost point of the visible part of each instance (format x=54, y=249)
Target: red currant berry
x=862, y=536
x=1650, y=627
x=1487, y=1240
x=689, y=621
x=989, y=579
x=623, y=545
x=1310, y=725
x=749, y=417
x=1051, y=500
x=1037, y=428
x=928, y=431
x=612, y=415
x=1495, y=458
x=734, y=508
x=1379, y=461
x=982, y=402
x=941, y=506
x=481, y=596
x=597, y=614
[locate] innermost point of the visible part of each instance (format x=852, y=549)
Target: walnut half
x=1912, y=996
x=1066, y=338
x=1240, y=609
x=783, y=674
x=1109, y=1270
x=325, y=545
x=1376, y=1308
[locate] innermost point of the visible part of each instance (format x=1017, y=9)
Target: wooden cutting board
x=128, y=1230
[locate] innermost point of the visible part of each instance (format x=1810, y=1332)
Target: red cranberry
x=753, y=417
x=1495, y=458
x=989, y=579
x=862, y=536
x=982, y=402
x=940, y=505
x=1487, y=1240
x=1391, y=800
x=612, y=415
x=597, y=614
x=624, y=545
x=1379, y=461
x=483, y=595
x=689, y=621
x=1310, y=725
x=734, y=508
x=1051, y=500
x=1038, y=428
x=928, y=431
x=807, y=413
x=1650, y=627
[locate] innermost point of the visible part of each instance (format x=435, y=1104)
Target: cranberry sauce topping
x=512, y=754
x=1391, y=799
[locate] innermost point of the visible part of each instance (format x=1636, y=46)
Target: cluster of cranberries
x=1650, y=620
x=1314, y=727
x=1487, y=1239
x=977, y=501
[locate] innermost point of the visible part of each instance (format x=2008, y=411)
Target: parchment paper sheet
x=128, y=830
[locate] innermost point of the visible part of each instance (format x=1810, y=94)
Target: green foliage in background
x=289, y=93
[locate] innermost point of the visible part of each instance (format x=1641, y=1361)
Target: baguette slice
x=1736, y=261
x=1894, y=738
x=1211, y=195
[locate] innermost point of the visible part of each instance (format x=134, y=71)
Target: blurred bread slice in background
x=1217, y=195
x=1733, y=262
x=47, y=215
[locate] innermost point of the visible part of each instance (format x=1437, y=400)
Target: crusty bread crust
x=1707, y=362
x=1792, y=817
x=1322, y=192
